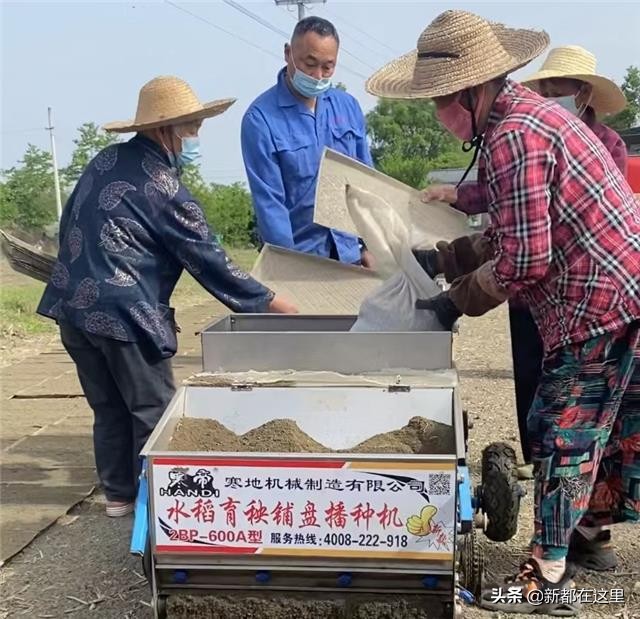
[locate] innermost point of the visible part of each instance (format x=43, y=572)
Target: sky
x=87, y=60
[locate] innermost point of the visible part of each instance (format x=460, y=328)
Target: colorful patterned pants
x=584, y=428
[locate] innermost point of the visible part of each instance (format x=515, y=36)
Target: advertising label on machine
x=339, y=508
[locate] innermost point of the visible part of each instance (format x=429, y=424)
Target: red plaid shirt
x=564, y=223
x=472, y=196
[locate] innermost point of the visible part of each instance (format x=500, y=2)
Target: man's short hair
x=313, y=23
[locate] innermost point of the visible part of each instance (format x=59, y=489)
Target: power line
x=354, y=39
x=286, y=35
x=378, y=41
x=251, y=43
x=363, y=44
x=221, y=29
x=256, y=17
x=300, y=4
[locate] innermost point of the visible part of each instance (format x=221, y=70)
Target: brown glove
x=477, y=292
x=463, y=255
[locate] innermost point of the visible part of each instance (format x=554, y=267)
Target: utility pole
x=56, y=179
x=301, y=4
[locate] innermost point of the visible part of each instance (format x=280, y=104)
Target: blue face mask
x=189, y=153
x=309, y=86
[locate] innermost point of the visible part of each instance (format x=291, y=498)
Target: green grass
x=19, y=300
x=189, y=291
x=18, y=311
x=244, y=258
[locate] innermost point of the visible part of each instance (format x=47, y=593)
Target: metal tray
x=272, y=342
x=339, y=418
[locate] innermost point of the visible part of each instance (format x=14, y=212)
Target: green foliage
x=341, y=86
x=411, y=171
x=17, y=311
x=230, y=212
x=407, y=141
x=630, y=116
x=227, y=207
x=8, y=209
x=407, y=128
x=28, y=196
x=454, y=158
x=88, y=144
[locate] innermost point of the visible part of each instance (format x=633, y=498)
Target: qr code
x=439, y=484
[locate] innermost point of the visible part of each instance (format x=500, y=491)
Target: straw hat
x=574, y=62
x=457, y=50
x=165, y=101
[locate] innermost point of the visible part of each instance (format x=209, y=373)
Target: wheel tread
x=499, y=480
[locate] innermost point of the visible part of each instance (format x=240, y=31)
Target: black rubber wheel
x=471, y=563
x=500, y=491
x=161, y=606
x=146, y=562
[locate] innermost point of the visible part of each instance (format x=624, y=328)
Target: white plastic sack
x=391, y=307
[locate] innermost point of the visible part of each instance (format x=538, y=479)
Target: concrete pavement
x=46, y=462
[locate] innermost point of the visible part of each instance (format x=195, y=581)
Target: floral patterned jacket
x=128, y=230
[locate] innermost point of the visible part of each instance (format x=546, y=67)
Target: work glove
x=462, y=256
x=456, y=258
x=473, y=294
x=477, y=292
x=428, y=260
x=443, y=307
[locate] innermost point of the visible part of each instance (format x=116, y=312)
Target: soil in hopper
x=420, y=435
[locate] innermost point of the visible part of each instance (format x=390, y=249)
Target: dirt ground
x=482, y=354
x=80, y=567
x=15, y=348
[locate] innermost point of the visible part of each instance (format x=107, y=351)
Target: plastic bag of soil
x=392, y=306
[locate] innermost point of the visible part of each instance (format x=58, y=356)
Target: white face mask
x=569, y=104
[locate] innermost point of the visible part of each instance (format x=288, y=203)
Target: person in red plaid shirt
x=565, y=235
x=568, y=75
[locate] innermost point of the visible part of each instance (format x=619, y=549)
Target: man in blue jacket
x=284, y=133
x=129, y=229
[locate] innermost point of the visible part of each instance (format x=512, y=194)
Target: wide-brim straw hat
x=168, y=100
x=457, y=50
x=575, y=62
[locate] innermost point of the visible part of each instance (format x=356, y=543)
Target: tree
x=230, y=212
x=406, y=128
x=630, y=116
x=28, y=195
x=192, y=178
x=411, y=171
x=341, y=86
x=407, y=141
x=227, y=207
x=8, y=210
x=88, y=144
